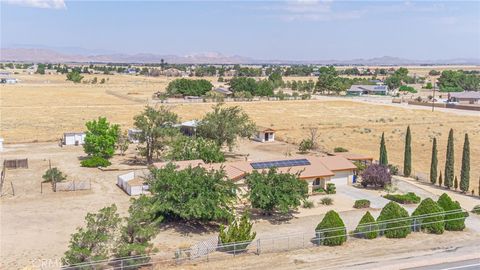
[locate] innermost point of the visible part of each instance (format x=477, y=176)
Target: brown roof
x=337, y=163
x=231, y=171
x=353, y=156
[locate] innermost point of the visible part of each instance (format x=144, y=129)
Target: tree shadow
x=186, y=228
x=274, y=218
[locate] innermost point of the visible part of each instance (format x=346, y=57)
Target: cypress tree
x=440, y=180
x=450, y=161
x=383, y=151
x=407, y=158
x=465, y=173
x=433, y=165
x=455, y=183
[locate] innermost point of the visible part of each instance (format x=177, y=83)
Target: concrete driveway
x=376, y=201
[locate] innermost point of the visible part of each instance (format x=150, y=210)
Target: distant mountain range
x=68, y=56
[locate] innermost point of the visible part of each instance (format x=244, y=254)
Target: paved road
x=463, y=265
x=357, y=194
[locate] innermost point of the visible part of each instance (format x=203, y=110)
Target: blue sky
x=287, y=30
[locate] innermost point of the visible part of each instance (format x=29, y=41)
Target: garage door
x=341, y=178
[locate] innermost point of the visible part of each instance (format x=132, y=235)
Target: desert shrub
x=95, y=161
x=363, y=203
x=340, y=149
x=435, y=224
x=331, y=189
x=394, y=229
x=376, y=175
x=326, y=201
x=319, y=190
x=476, y=209
x=308, y=204
x=306, y=145
x=453, y=221
x=53, y=175
x=336, y=234
x=393, y=169
x=239, y=231
x=410, y=197
x=367, y=227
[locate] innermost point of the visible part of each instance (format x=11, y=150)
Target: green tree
x=449, y=162
x=100, y=138
x=243, y=84
x=140, y=227
x=383, y=160
x=272, y=191
x=264, y=88
x=367, y=227
x=225, y=124
x=239, y=231
x=465, y=172
x=434, y=163
x=92, y=243
x=189, y=87
x=194, y=194
x=434, y=222
x=454, y=218
x=440, y=180
x=53, y=175
x=74, y=76
x=328, y=81
x=190, y=148
x=276, y=78
x=393, y=218
x=156, y=130
x=407, y=159
x=331, y=230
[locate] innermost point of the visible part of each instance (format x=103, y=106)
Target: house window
x=316, y=182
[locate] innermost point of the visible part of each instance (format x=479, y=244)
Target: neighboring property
x=189, y=128
x=133, y=135
x=173, y=72
x=264, y=135
x=317, y=171
x=73, y=138
x=358, y=90
x=132, y=184
x=223, y=91
x=466, y=97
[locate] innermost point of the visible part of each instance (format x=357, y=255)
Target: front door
x=266, y=137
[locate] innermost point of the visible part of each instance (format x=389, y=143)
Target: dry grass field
x=41, y=108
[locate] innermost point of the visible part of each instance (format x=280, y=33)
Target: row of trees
x=188, y=87
x=458, y=81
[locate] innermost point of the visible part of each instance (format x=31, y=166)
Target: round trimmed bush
x=363, y=203
x=95, y=161
x=453, y=221
x=434, y=224
x=394, y=229
x=335, y=237
x=367, y=227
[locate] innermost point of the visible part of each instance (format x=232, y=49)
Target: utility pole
x=433, y=99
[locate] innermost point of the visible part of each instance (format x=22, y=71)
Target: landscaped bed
x=409, y=198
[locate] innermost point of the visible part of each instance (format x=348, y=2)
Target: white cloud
x=50, y=4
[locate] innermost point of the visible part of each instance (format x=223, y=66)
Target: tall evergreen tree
x=465, y=173
x=450, y=161
x=433, y=165
x=407, y=158
x=383, y=151
x=440, y=180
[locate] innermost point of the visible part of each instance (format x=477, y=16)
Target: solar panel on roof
x=280, y=163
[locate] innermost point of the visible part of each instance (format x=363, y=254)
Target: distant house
x=358, y=90
x=264, y=135
x=73, y=138
x=189, y=128
x=466, y=97
x=223, y=91
x=173, y=72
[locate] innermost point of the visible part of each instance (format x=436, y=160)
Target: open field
x=41, y=108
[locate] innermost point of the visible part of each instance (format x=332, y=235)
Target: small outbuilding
x=223, y=91
x=264, y=135
x=132, y=184
x=189, y=128
x=74, y=138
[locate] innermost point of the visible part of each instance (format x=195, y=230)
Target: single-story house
x=223, y=91
x=317, y=171
x=131, y=184
x=189, y=128
x=358, y=90
x=73, y=138
x=264, y=135
x=466, y=97
x=133, y=135
x=173, y=72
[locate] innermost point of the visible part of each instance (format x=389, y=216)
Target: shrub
x=308, y=204
x=363, y=203
x=376, y=175
x=393, y=169
x=306, y=145
x=319, y=190
x=53, y=175
x=410, y=197
x=394, y=229
x=239, y=231
x=367, y=227
x=331, y=189
x=476, y=209
x=449, y=205
x=95, y=161
x=336, y=237
x=436, y=224
x=340, y=150
x=326, y=201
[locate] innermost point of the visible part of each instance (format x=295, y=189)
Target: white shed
x=132, y=185
x=74, y=138
x=1, y=144
x=265, y=135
